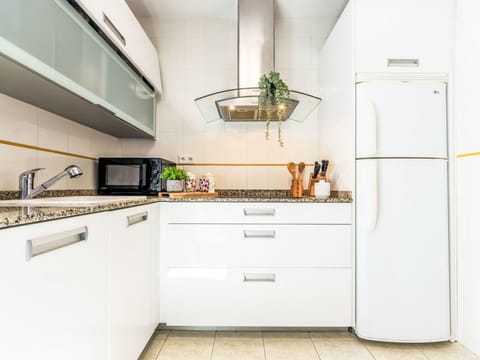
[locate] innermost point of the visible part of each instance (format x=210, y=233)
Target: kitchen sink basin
x=71, y=201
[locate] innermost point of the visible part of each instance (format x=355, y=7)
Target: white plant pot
x=175, y=185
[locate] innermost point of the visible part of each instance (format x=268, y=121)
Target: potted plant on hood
x=175, y=178
x=273, y=93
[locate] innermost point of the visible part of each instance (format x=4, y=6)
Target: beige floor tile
x=342, y=350
x=391, y=351
x=447, y=351
x=154, y=346
x=188, y=345
x=286, y=335
x=333, y=335
x=238, y=346
x=289, y=346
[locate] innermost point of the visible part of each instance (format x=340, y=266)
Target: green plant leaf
x=173, y=173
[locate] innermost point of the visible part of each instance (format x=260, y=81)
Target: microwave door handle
x=143, y=175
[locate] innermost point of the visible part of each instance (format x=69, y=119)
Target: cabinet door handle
x=270, y=234
x=44, y=244
x=259, y=277
x=114, y=29
x=137, y=218
x=259, y=212
x=403, y=62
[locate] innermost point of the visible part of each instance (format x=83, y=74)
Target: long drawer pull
x=137, y=218
x=259, y=212
x=270, y=234
x=403, y=62
x=44, y=244
x=114, y=29
x=259, y=277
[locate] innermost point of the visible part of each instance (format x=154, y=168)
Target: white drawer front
x=202, y=245
x=289, y=213
x=259, y=297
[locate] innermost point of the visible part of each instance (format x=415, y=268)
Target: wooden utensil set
x=319, y=173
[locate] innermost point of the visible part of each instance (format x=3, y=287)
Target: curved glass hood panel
x=242, y=105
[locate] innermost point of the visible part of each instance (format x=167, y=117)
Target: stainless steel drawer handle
x=259, y=277
x=114, y=29
x=137, y=218
x=259, y=212
x=403, y=62
x=270, y=234
x=44, y=244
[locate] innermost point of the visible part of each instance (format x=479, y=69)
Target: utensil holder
x=296, y=190
x=311, y=183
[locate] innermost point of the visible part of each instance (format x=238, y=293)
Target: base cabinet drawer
x=259, y=297
x=249, y=245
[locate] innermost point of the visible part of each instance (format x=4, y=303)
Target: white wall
x=29, y=125
x=467, y=128
x=337, y=112
x=198, y=56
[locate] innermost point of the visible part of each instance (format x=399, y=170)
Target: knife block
x=296, y=190
x=311, y=183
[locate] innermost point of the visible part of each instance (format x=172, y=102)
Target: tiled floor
x=229, y=345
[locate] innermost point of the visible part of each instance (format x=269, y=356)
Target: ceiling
x=227, y=8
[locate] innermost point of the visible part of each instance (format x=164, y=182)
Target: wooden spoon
x=292, y=168
x=301, y=168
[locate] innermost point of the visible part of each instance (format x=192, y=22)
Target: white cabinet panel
x=131, y=282
x=259, y=297
x=55, y=305
x=468, y=235
x=204, y=245
x=254, y=212
x=403, y=31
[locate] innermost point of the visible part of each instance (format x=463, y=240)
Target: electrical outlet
x=185, y=159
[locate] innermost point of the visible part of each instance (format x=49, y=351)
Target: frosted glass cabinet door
x=19, y=17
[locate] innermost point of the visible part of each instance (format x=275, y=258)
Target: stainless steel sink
x=72, y=201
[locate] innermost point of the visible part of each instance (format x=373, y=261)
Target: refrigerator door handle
x=373, y=184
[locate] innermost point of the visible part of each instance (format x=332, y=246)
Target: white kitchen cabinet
x=54, y=278
x=468, y=233
x=121, y=26
x=406, y=36
x=131, y=272
x=256, y=264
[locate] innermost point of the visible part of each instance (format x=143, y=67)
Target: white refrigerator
x=402, y=242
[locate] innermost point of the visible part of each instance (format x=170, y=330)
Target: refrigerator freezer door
x=401, y=119
x=402, y=250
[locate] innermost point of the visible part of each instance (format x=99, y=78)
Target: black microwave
x=131, y=176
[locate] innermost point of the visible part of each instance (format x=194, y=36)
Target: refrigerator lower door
x=402, y=250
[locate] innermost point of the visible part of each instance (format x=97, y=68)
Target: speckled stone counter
x=17, y=215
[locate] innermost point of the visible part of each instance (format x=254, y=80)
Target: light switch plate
x=186, y=159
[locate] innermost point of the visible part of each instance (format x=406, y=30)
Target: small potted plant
x=175, y=178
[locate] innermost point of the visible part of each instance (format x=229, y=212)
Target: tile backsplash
x=29, y=125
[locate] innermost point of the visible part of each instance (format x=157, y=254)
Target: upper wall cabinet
x=403, y=36
x=120, y=25
x=64, y=63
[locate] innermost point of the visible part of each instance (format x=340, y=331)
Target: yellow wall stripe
x=468, y=154
x=58, y=152
x=237, y=164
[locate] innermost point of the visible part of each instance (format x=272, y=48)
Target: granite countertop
x=20, y=215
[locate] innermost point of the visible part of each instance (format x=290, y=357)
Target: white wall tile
x=14, y=161
x=52, y=131
x=278, y=177
x=89, y=178
x=257, y=177
x=18, y=121
x=79, y=138
x=236, y=177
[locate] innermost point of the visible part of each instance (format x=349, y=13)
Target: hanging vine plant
x=273, y=93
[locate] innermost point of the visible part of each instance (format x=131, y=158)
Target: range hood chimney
x=256, y=56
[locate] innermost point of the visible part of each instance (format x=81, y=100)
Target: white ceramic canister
x=211, y=181
x=322, y=190
x=191, y=182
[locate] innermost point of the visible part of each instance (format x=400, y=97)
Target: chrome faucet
x=27, y=178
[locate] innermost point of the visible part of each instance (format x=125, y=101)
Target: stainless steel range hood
x=256, y=56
